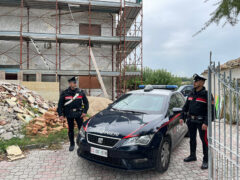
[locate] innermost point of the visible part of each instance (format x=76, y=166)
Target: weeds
x=52, y=139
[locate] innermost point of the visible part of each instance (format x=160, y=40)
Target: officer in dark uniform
x=196, y=112
x=73, y=104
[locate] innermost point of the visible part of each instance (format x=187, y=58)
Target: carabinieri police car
x=138, y=131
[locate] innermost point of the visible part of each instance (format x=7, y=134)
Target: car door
x=173, y=119
x=180, y=103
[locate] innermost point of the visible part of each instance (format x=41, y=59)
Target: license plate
x=99, y=152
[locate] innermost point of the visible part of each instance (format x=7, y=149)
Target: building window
x=29, y=77
x=11, y=76
x=48, y=78
x=95, y=31
x=11, y=71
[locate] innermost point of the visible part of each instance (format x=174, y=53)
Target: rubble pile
x=48, y=123
x=18, y=106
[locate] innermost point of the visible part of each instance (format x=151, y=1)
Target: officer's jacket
x=197, y=105
x=80, y=103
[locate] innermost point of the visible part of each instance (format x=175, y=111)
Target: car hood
x=122, y=124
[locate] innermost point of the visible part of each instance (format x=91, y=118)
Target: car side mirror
x=177, y=110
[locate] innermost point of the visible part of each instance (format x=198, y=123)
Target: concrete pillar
x=38, y=77
x=2, y=75
x=20, y=76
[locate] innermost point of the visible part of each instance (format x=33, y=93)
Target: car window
x=181, y=88
x=172, y=104
x=141, y=102
x=180, y=100
x=189, y=88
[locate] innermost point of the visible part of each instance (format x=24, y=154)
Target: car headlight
x=141, y=140
x=82, y=132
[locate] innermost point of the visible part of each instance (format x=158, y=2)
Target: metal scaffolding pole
x=21, y=38
x=124, y=50
x=56, y=40
x=89, y=47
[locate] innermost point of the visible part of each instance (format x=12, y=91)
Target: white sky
x=168, y=42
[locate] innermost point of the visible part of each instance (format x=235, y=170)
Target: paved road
x=61, y=164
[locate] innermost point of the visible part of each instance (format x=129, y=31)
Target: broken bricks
x=48, y=123
x=18, y=106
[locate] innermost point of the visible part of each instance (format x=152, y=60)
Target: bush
x=157, y=77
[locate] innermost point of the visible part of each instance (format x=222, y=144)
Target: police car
x=138, y=131
x=185, y=90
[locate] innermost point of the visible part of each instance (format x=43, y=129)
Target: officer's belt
x=193, y=117
x=196, y=119
x=76, y=109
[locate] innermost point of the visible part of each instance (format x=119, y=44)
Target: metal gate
x=223, y=132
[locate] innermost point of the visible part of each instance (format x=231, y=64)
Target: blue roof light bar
x=159, y=86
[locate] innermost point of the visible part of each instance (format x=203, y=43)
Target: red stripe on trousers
x=205, y=138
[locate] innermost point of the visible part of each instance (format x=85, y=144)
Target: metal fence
x=223, y=132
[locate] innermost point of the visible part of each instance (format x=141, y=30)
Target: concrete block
x=2, y=75
x=20, y=76
x=38, y=77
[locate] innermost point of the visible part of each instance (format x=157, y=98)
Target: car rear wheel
x=164, y=154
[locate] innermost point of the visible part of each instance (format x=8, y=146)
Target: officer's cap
x=73, y=79
x=197, y=77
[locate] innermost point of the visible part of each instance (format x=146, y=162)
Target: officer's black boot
x=71, y=147
x=190, y=158
x=71, y=139
x=204, y=165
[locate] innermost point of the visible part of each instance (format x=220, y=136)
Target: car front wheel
x=164, y=154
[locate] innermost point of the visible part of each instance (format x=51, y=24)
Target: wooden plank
x=98, y=74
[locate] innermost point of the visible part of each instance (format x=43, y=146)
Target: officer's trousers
x=193, y=127
x=71, y=128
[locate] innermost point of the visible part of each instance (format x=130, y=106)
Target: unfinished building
x=50, y=40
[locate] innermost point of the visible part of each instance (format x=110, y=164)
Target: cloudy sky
x=168, y=42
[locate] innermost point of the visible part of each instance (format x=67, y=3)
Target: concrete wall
x=48, y=90
x=73, y=56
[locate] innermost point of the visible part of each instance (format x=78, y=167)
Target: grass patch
x=50, y=140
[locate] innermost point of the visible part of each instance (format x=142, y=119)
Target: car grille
x=105, y=141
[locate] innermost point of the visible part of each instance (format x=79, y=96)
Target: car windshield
x=145, y=103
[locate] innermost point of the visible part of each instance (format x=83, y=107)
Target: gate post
x=210, y=159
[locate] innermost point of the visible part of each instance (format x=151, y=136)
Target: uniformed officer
x=73, y=104
x=196, y=111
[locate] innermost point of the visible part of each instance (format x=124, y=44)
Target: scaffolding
x=123, y=22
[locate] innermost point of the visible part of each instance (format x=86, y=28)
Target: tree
x=226, y=9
